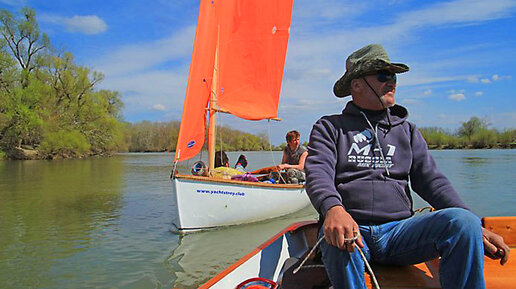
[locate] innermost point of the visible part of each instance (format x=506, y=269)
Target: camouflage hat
x=364, y=61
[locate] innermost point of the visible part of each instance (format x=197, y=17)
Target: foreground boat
x=273, y=263
x=237, y=68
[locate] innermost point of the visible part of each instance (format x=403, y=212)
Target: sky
x=461, y=53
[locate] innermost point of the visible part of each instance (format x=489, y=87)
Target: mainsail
x=250, y=37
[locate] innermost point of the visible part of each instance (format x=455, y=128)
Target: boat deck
x=426, y=275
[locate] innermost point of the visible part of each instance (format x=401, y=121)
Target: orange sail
x=250, y=37
x=193, y=122
x=253, y=45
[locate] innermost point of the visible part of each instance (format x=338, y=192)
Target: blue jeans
x=453, y=234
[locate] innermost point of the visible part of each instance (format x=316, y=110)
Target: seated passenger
x=241, y=163
x=293, y=162
x=222, y=169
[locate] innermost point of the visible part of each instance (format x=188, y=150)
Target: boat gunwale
x=291, y=228
x=236, y=182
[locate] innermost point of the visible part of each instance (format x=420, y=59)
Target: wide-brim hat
x=367, y=60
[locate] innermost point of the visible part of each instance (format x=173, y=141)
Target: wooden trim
x=242, y=183
x=503, y=226
x=244, y=259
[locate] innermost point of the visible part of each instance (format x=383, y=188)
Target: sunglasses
x=384, y=76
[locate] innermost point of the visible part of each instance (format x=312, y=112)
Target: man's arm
x=427, y=180
x=320, y=187
x=300, y=166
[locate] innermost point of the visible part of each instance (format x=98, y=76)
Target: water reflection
x=475, y=160
x=50, y=211
x=203, y=255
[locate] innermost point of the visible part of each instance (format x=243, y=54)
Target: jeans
x=453, y=234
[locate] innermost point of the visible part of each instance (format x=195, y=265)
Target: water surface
x=105, y=222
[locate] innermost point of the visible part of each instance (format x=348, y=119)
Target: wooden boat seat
x=426, y=275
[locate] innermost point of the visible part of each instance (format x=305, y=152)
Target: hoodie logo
x=361, y=155
x=363, y=136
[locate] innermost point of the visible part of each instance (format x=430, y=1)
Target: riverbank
x=470, y=147
x=24, y=153
x=31, y=154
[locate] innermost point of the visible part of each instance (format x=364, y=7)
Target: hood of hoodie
x=397, y=114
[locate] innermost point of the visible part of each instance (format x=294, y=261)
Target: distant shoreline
x=34, y=155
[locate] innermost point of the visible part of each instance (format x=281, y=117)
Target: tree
x=49, y=103
x=472, y=126
x=25, y=41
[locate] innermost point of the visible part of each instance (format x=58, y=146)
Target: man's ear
x=356, y=85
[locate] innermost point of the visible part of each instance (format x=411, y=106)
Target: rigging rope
x=369, y=269
x=270, y=148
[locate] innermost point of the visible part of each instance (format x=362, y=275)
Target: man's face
x=384, y=84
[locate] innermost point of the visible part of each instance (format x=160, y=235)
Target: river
x=106, y=222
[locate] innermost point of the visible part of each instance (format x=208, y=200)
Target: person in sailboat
x=221, y=167
x=358, y=170
x=293, y=160
x=223, y=171
x=241, y=163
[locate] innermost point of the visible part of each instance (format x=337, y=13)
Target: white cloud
x=461, y=11
x=14, y=2
x=457, y=96
x=129, y=59
x=485, y=80
x=427, y=92
x=497, y=77
x=453, y=91
x=473, y=79
x=406, y=101
x=479, y=93
x=159, y=106
x=89, y=24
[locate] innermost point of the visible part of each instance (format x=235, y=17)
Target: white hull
x=204, y=203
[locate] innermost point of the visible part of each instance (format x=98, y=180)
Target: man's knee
x=461, y=220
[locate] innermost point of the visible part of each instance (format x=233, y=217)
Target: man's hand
x=494, y=246
x=338, y=226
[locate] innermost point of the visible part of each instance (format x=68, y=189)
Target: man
x=294, y=156
x=358, y=167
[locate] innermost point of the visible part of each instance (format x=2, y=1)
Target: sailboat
x=237, y=67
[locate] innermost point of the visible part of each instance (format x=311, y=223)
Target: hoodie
x=361, y=162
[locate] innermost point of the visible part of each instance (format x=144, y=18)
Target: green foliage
x=507, y=138
x=64, y=143
x=44, y=96
x=229, y=139
x=149, y=136
x=472, y=134
x=472, y=126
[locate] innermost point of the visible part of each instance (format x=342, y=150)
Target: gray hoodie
x=354, y=161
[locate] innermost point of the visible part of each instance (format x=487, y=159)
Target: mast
x=212, y=133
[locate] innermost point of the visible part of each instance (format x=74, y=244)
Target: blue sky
x=461, y=54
